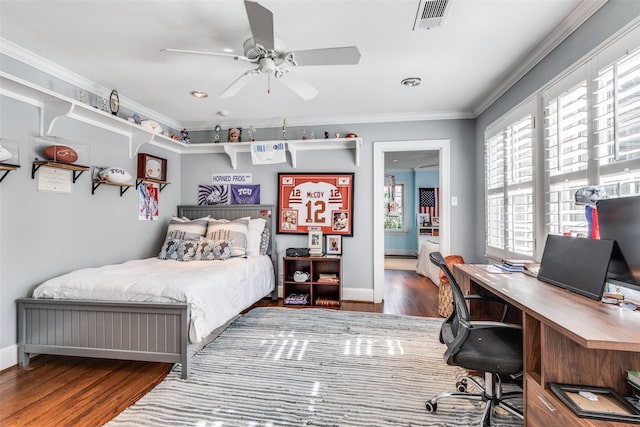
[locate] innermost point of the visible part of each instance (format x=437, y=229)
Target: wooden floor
x=72, y=391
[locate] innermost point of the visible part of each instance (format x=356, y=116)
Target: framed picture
x=595, y=402
x=315, y=239
x=435, y=221
x=151, y=167
x=323, y=200
x=334, y=244
x=235, y=135
x=423, y=220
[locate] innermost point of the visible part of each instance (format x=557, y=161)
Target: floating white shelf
x=54, y=106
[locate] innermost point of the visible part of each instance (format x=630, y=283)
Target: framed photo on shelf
x=595, y=402
x=435, y=221
x=315, y=239
x=151, y=167
x=423, y=220
x=334, y=244
x=323, y=200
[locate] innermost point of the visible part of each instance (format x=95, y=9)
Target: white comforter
x=215, y=290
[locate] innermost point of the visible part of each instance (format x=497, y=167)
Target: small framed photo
x=151, y=167
x=435, y=221
x=600, y=403
x=423, y=220
x=315, y=239
x=235, y=135
x=334, y=244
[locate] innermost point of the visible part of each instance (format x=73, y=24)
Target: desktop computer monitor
x=619, y=220
x=579, y=265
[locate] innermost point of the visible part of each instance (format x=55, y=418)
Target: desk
x=568, y=338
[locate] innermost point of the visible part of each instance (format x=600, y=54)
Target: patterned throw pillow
x=178, y=249
x=209, y=250
x=264, y=241
x=187, y=230
x=235, y=230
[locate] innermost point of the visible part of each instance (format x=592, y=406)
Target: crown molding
x=572, y=22
x=29, y=58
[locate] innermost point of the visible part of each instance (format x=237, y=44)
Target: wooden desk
x=568, y=339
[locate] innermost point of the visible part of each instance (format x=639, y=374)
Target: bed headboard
x=230, y=212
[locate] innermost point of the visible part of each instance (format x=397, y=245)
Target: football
x=61, y=153
x=114, y=174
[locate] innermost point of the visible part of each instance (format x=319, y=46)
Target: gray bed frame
x=154, y=332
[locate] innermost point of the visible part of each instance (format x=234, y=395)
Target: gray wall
x=45, y=234
x=357, y=250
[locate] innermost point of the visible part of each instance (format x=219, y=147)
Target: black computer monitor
x=619, y=220
x=579, y=265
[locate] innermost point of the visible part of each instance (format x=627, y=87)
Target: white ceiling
x=478, y=52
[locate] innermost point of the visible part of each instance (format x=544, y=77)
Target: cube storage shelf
x=325, y=293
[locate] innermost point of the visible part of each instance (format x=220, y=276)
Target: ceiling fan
x=261, y=49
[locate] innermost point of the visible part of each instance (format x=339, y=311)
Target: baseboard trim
x=8, y=356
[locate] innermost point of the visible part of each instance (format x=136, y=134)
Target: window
x=394, y=208
x=590, y=136
x=509, y=183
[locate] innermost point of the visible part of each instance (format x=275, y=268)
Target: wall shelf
x=77, y=169
x=96, y=183
x=6, y=169
x=157, y=181
x=54, y=106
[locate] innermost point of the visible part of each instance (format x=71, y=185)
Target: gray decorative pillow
x=187, y=230
x=235, y=230
x=178, y=249
x=210, y=250
x=264, y=241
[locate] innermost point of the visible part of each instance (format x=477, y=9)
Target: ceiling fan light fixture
x=199, y=94
x=411, y=81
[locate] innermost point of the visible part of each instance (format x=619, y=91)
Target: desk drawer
x=544, y=410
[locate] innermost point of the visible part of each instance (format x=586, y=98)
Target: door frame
x=443, y=146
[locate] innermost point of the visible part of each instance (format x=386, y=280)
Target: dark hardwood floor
x=72, y=391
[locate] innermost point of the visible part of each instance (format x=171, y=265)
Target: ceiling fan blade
x=237, y=85
x=348, y=55
x=198, y=52
x=300, y=86
x=261, y=23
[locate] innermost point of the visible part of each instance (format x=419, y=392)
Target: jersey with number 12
x=314, y=202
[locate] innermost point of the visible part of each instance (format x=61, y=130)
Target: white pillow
x=254, y=236
x=235, y=230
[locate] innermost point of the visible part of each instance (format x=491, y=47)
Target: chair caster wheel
x=431, y=407
x=461, y=386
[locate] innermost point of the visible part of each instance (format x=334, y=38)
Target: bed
x=162, y=310
x=424, y=266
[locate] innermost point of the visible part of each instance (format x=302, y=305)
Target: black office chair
x=492, y=347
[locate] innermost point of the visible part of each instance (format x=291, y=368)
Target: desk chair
x=494, y=348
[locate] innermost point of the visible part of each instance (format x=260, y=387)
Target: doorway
x=379, y=150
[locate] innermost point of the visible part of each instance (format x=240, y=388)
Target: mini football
x=114, y=174
x=61, y=153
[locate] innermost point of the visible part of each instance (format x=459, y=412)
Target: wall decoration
x=232, y=178
x=214, y=195
x=235, y=135
x=314, y=240
x=268, y=153
x=245, y=194
x=148, y=201
x=151, y=167
x=54, y=180
x=429, y=201
x=322, y=200
x=334, y=244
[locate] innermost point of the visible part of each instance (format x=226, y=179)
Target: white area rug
x=297, y=367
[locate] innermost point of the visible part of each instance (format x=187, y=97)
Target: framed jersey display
x=323, y=200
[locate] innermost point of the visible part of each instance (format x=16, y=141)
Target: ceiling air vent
x=430, y=14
